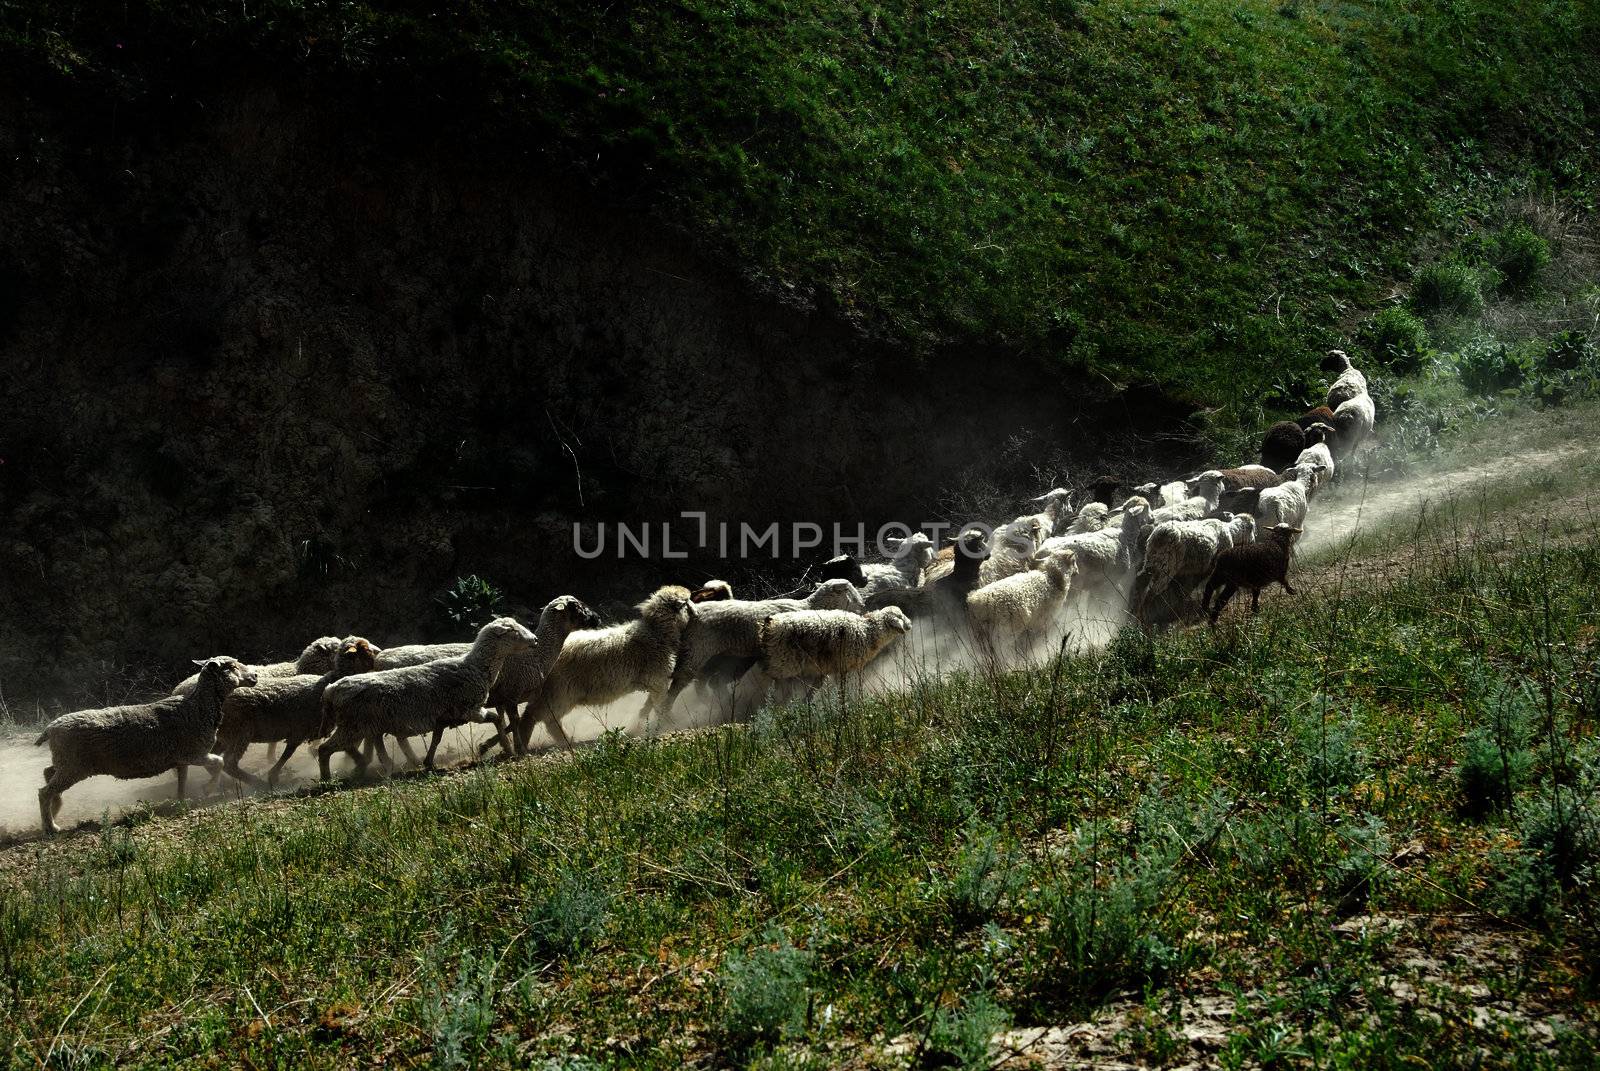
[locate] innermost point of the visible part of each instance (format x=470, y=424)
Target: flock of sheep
x=1145, y=555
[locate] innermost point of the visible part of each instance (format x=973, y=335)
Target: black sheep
x=1254, y=566
x=1282, y=445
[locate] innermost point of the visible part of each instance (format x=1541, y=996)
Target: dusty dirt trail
x=1349, y=510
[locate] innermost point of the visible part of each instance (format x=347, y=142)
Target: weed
x=1519, y=255
x=570, y=916
x=764, y=991
x=986, y=871
x=963, y=1037
x=1398, y=339
x=460, y=1016
x=470, y=602
x=1448, y=288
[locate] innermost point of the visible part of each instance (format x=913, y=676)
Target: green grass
x=1190, y=814
x=1201, y=194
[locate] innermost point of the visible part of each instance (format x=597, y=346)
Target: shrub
x=1358, y=865
x=1107, y=933
x=470, y=602
x=1519, y=255
x=1448, y=288
x=986, y=871
x=764, y=991
x=1327, y=754
x=571, y=916
x=459, y=1017
x=1488, y=367
x=1489, y=773
x=1494, y=758
x=1566, y=367
x=962, y=1037
x=1398, y=339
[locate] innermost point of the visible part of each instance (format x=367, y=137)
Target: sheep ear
x=199, y=661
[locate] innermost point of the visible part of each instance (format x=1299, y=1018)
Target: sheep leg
x=339, y=741
x=1227, y=593
x=1285, y=582
x=506, y=726
x=383, y=752
x=1255, y=601
x=56, y=781
x=289, y=748
x=213, y=764
x=405, y=747
x=647, y=713
x=502, y=732
x=433, y=746
x=230, y=763
x=183, y=776
x=552, y=725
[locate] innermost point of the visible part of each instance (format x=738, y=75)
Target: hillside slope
x=1359, y=831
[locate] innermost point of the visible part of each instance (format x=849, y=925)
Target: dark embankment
x=272, y=374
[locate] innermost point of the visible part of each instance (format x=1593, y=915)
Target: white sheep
x=1012, y=547
x=282, y=710
x=317, y=658
x=1091, y=518
x=1105, y=557
x=911, y=556
x=1350, y=382
x=813, y=645
x=1185, y=550
x=143, y=740
x=722, y=642
x=419, y=654
x=1287, y=503
x=1055, y=511
x=522, y=674
x=412, y=700
x=1318, y=454
x=1204, y=492
x=1353, y=422
x=600, y=666
x=1023, y=606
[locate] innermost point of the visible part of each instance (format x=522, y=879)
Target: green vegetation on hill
x=1203, y=193
x=1360, y=829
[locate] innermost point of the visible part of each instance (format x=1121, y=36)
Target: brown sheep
x=1253, y=566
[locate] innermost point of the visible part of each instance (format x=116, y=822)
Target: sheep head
x=1283, y=533
x=1319, y=433
x=973, y=543
x=357, y=655
x=713, y=591
x=1062, y=560
x=318, y=655
x=1335, y=361
x=571, y=611
x=842, y=567
x=226, y=671
x=892, y=619
x=669, y=605
x=506, y=634
x=1208, y=485
x=840, y=595
x=916, y=547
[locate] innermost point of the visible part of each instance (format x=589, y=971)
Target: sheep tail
x=42, y=738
